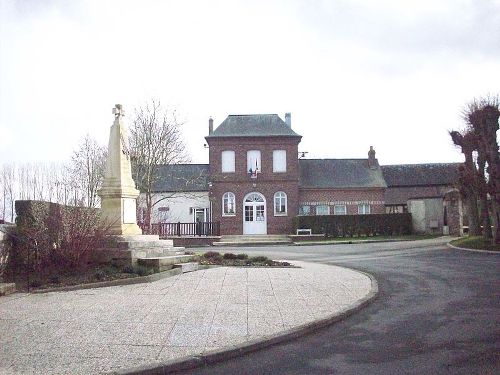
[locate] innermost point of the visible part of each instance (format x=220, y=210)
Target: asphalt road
x=438, y=312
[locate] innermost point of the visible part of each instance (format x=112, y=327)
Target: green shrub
x=143, y=270
x=356, y=225
x=55, y=279
x=36, y=283
x=128, y=269
x=230, y=256
x=258, y=259
x=242, y=256
x=211, y=254
x=100, y=274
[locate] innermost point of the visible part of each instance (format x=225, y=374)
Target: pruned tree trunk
x=483, y=116
x=483, y=197
x=468, y=179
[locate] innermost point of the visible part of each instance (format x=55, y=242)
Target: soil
x=56, y=280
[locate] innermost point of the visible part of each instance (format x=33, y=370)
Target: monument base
x=124, y=250
x=125, y=230
x=120, y=212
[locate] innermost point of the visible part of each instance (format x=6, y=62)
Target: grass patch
x=476, y=243
x=239, y=260
x=411, y=237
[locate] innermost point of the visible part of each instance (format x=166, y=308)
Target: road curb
x=473, y=250
x=192, y=362
x=356, y=242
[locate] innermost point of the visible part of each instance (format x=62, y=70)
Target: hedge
x=356, y=225
x=53, y=235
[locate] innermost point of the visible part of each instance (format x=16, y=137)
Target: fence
x=183, y=229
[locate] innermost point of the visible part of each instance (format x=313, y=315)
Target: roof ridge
x=415, y=164
x=257, y=114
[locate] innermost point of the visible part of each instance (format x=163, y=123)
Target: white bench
x=304, y=232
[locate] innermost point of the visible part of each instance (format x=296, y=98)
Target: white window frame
x=362, y=209
x=322, y=205
x=279, y=161
x=228, y=161
x=302, y=211
x=335, y=207
x=281, y=195
x=252, y=156
x=227, y=196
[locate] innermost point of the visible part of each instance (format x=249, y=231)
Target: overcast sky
x=392, y=74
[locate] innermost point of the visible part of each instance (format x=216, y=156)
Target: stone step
x=259, y=239
x=164, y=263
x=142, y=244
x=153, y=253
x=251, y=243
x=187, y=267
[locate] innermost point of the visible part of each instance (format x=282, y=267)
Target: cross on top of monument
x=118, y=110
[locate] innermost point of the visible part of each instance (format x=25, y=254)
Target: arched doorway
x=254, y=214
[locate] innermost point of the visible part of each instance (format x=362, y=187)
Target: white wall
x=424, y=212
x=179, y=205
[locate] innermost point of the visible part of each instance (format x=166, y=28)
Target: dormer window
x=253, y=162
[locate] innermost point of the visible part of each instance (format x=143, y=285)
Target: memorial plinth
x=126, y=246
x=118, y=193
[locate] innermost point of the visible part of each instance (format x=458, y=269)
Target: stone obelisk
x=118, y=193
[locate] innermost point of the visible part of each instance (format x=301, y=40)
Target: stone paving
x=105, y=329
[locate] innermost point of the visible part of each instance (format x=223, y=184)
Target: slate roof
x=339, y=173
x=253, y=126
x=182, y=178
x=420, y=174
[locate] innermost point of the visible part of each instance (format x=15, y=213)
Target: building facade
x=254, y=174
x=255, y=182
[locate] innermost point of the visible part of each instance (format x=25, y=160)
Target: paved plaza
x=115, y=328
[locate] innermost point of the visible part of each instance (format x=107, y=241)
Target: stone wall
x=454, y=212
x=427, y=215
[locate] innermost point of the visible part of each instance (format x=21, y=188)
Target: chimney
x=372, y=162
x=210, y=125
x=288, y=119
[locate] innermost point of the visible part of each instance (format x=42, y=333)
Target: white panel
x=253, y=159
x=279, y=161
x=129, y=211
x=228, y=161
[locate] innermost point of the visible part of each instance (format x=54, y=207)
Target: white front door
x=254, y=214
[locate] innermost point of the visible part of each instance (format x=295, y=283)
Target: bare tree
x=468, y=177
x=88, y=163
x=155, y=139
x=482, y=116
x=7, y=181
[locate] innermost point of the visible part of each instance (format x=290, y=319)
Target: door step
x=253, y=240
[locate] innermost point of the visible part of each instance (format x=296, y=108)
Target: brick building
x=255, y=182
x=258, y=183
x=254, y=174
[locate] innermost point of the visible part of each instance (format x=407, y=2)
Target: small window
x=340, y=209
x=253, y=161
x=228, y=208
x=322, y=210
x=304, y=210
x=280, y=203
x=279, y=161
x=363, y=209
x=227, y=161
